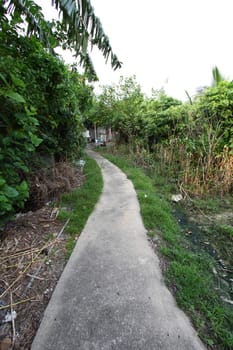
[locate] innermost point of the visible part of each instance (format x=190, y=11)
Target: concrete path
x=111, y=295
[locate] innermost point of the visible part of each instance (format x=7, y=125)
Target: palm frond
x=84, y=27
x=88, y=66
x=34, y=17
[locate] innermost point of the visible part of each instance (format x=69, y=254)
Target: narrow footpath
x=111, y=295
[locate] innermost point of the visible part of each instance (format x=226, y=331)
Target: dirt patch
x=32, y=258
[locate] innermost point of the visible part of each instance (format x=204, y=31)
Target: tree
x=79, y=23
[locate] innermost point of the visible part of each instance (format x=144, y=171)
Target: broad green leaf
x=10, y=192
x=15, y=97
x=2, y=182
x=17, y=81
x=23, y=187
x=36, y=141
x=4, y=80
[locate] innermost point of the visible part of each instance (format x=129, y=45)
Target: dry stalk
x=18, y=254
x=27, y=267
x=182, y=190
x=13, y=321
x=49, y=250
x=17, y=303
x=36, y=277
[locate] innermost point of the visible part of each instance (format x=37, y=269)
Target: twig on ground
x=63, y=228
x=54, y=213
x=17, y=303
x=13, y=321
x=27, y=267
x=1, y=280
x=18, y=254
x=36, y=277
x=49, y=250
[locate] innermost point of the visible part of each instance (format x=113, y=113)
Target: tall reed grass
x=198, y=172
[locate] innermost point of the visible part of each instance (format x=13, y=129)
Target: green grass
x=214, y=205
x=78, y=204
x=208, y=205
x=225, y=230
x=189, y=274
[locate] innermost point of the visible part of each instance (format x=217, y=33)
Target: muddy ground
x=212, y=233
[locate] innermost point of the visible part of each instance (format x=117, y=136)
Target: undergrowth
x=188, y=274
x=78, y=204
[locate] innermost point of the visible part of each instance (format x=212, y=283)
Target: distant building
x=101, y=135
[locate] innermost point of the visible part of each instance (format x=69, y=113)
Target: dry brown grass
x=49, y=183
x=199, y=173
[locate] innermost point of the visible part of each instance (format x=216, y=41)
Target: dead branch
x=49, y=250
x=27, y=267
x=13, y=321
x=36, y=277
x=17, y=303
x=182, y=190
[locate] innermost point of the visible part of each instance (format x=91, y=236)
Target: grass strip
x=188, y=274
x=79, y=204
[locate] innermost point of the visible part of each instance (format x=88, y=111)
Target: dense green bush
x=42, y=103
x=215, y=106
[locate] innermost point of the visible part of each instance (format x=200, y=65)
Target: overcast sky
x=166, y=43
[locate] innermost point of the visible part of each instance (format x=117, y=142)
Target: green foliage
x=11, y=196
x=42, y=103
x=137, y=119
x=193, y=140
x=118, y=107
x=217, y=76
x=226, y=230
x=215, y=107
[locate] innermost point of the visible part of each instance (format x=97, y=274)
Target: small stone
x=177, y=198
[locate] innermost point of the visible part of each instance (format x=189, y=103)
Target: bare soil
x=32, y=258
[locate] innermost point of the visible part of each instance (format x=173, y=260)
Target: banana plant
x=83, y=29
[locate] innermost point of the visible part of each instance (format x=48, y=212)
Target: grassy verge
x=189, y=275
x=78, y=204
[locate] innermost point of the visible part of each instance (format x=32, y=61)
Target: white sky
x=166, y=43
